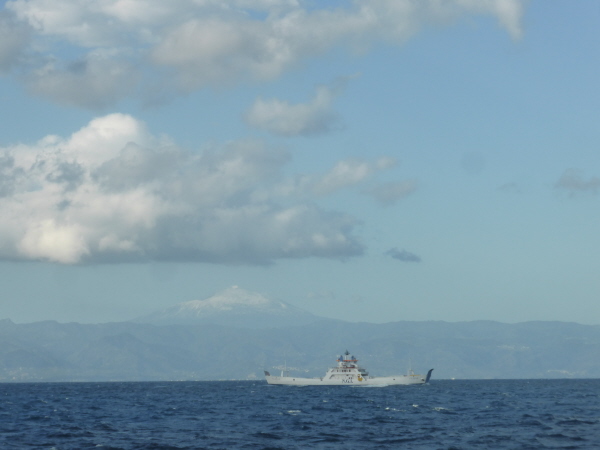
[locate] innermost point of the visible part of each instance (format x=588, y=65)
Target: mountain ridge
x=126, y=351
x=236, y=334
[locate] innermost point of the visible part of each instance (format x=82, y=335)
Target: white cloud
x=96, y=24
x=114, y=192
x=303, y=119
x=347, y=173
x=200, y=43
x=14, y=39
x=508, y=12
x=95, y=82
x=45, y=239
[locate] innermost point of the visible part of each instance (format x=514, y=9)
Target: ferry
x=347, y=372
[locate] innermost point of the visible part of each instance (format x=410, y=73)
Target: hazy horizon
x=228, y=306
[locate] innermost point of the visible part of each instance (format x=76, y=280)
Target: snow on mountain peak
x=233, y=306
x=230, y=299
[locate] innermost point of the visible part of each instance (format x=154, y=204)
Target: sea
x=444, y=414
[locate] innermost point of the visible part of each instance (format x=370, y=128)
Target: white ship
x=348, y=372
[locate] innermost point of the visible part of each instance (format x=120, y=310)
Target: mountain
x=126, y=351
x=236, y=334
x=232, y=307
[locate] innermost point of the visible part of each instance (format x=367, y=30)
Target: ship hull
x=350, y=381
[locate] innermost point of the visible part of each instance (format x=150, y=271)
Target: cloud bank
x=113, y=49
x=114, y=192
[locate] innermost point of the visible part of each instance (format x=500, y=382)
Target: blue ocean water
x=445, y=414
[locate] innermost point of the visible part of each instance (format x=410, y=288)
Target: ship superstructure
x=347, y=372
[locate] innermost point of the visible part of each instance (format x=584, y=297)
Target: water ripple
x=499, y=414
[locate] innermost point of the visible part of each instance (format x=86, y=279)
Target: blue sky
x=372, y=161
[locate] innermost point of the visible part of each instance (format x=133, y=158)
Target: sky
x=376, y=161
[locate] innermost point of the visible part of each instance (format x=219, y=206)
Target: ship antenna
x=287, y=371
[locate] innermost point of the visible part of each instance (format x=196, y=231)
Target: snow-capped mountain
x=233, y=307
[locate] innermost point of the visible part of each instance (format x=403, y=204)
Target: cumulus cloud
x=192, y=44
x=302, y=119
x=573, y=181
x=403, y=255
x=113, y=192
